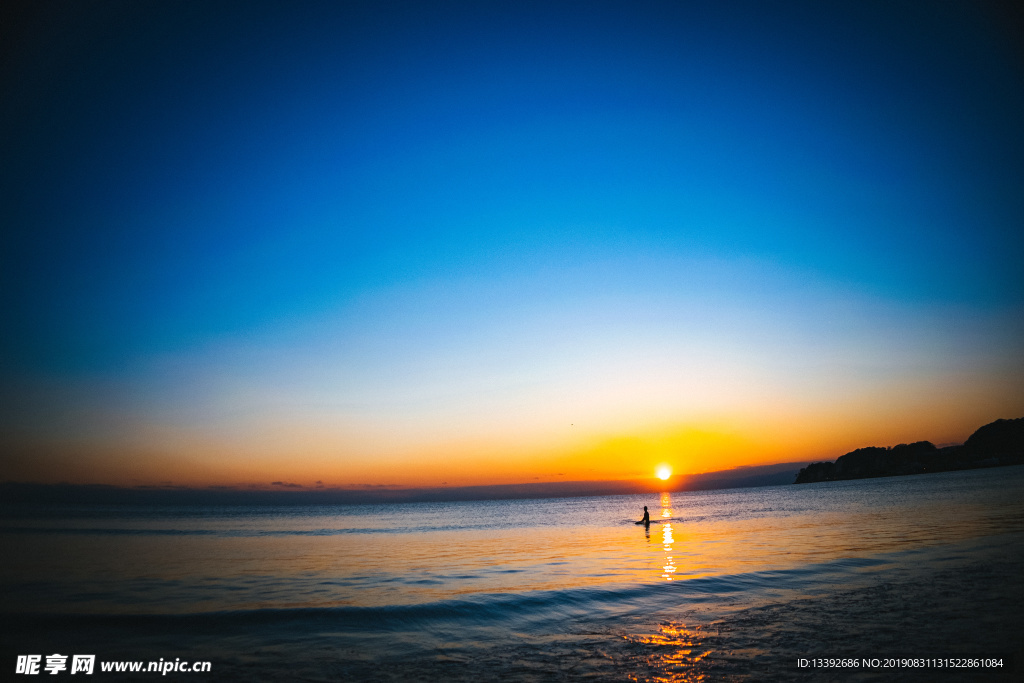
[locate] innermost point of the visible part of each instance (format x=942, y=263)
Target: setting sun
x=664, y=472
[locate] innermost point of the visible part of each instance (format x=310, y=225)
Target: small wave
x=235, y=533
x=526, y=609
x=108, y=531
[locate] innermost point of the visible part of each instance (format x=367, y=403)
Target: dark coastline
x=997, y=444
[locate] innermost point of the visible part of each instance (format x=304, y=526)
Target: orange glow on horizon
x=315, y=458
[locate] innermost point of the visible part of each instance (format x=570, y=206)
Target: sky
x=460, y=243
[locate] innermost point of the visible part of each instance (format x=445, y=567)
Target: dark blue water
x=530, y=589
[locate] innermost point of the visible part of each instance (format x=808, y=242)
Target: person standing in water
x=646, y=521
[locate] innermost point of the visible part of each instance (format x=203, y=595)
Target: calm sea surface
x=724, y=585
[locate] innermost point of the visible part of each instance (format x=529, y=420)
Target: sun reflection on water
x=666, y=536
x=669, y=567
x=674, y=655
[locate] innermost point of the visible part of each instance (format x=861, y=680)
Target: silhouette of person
x=646, y=521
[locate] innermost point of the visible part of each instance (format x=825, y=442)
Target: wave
x=108, y=531
x=528, y=609
x=257, y=532
x=238, y=533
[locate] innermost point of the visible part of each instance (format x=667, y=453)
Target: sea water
x=732, y=584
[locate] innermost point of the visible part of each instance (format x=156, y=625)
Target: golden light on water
x=666, y=536
x=663, y=472
x=677, y=653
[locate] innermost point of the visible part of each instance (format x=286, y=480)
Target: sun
x=664, y=472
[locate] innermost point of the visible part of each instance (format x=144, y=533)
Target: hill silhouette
x=996, y=444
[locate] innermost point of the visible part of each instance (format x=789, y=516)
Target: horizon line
x=743, y=476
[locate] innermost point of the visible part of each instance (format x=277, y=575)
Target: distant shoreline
x=997, y=444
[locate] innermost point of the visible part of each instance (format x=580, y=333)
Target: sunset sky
x=493, y=242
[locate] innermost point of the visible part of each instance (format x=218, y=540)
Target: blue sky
x=397, y=229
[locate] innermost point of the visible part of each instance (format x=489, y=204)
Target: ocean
x=900, y=578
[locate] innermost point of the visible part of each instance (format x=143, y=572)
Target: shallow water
x=722, y=584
